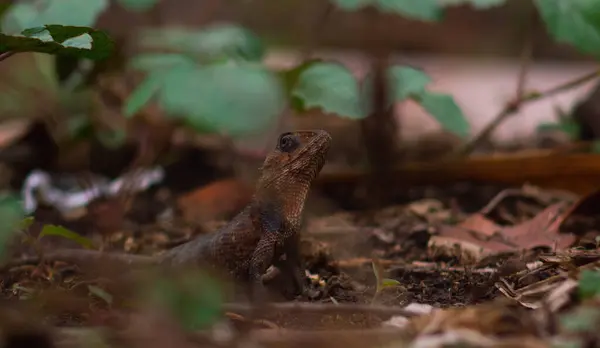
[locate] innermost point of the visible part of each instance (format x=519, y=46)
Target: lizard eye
x=287, y=142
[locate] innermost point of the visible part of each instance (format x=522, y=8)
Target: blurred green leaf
x=233, y=99
x=425, y=10
x=389, y=283
x=406, y=81
x=53, y=230
x=39, y=13
x=101, y=294
x=596, y=146
x=589, y=284
x=330, y=87
x=581, y=320
x=138, y=5
x=478, y=4
x=569, y=127
x=11, y=217
x=444, y=109
x=159, y=61
x=113, y=138
x=26, y=223
x=216, y=42
x=3, y=8
x=576, y=22
x=143, y=93
x=57, y=39
x=195, y=300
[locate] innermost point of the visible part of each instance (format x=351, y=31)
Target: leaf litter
x=424, y=272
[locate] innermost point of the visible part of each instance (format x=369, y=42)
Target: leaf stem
x=514, y=106
x=5, y=55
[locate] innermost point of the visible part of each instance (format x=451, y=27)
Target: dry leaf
x=478, y=237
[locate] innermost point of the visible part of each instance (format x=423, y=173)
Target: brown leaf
x=478, y=236
x=218, y=200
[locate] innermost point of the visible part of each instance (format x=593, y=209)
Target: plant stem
x=5, y=55
x=514, y=106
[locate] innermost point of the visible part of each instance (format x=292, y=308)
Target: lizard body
x=260, y=234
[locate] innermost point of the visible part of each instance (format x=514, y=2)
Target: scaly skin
x=260, y=234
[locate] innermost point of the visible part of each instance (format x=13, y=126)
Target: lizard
x=259, y=235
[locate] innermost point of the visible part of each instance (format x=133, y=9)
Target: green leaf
x=406, y=81
x=576, y=22
x=53, y=230
x=26, y=223
x=195, y=299
x=389, y=283
x=11, y=217
x=159, y=61
x=216, y=42
x=113, y=138
x=32, y=14
x=477, y=4
x=331, y=87
x=425, y=10
x=143, y=93
x=444, y=109
x=100, y=293
x=569, y=127
x=138, y=5
x=233, y=99
x=589, y=284
x=581, y=320
x=3, y=8
x=352, y=5
x=57, y=39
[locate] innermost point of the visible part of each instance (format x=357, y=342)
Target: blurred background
x=200, y=90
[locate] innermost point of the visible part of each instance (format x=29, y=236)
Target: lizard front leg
x=292, y=265
x=261, y=259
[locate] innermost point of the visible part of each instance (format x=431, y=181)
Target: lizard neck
x=288, y=196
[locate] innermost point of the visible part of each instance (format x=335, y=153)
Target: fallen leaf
x=479, y=237
x=218, y=200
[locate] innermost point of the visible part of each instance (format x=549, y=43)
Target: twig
x=512, y=107
x=320, y=308
x=5, y=55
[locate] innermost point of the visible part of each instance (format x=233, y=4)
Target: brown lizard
x=259, y=235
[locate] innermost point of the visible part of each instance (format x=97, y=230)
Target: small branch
x=322, y=308
x=5, y=55
x=514, y=106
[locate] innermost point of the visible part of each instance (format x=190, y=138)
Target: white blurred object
x=64, y=194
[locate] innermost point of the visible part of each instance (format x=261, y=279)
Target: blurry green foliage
x=576, y=22
x=333, y=88
x=214, y=83
x=213, y=43
x=57, y=39
x=53, y=230
x=329, y=86
x=426, y=10
x=478, y=4
x=195, y=299
x=137, y=5
x=30, y=14
x=589, y=284
x=11, y=219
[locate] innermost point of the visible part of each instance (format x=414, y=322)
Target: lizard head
x=298, y=157
x=290, y=168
